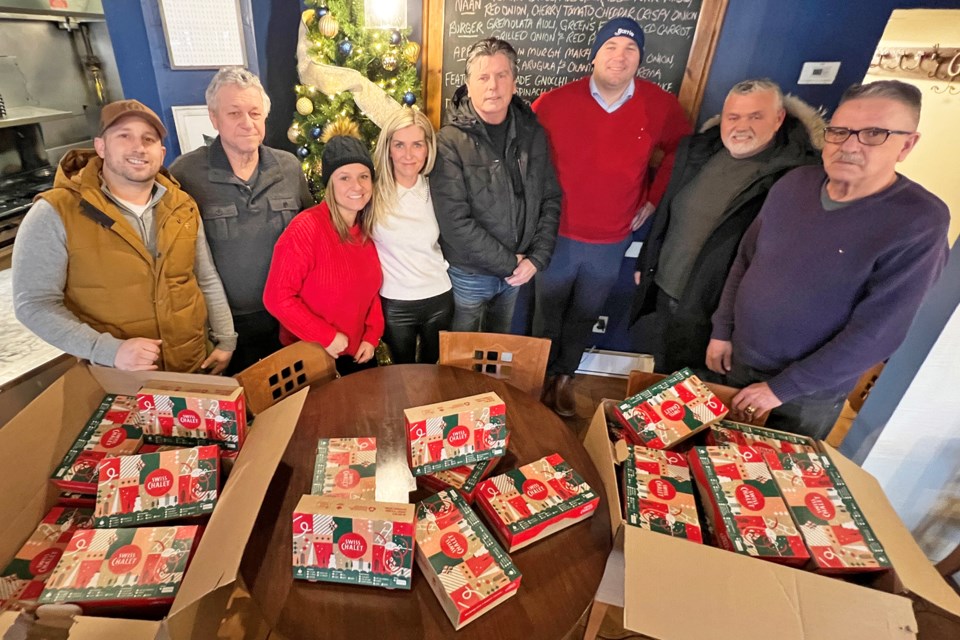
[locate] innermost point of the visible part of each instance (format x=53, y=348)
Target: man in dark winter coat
x=720, y=180
x=494, y=191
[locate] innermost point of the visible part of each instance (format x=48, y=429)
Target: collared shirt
x=610, y=108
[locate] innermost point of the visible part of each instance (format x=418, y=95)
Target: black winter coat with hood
x=491, y=208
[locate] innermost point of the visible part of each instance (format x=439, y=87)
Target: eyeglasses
x=871, y=137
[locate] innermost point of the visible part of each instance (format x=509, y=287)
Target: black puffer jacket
x=485, y=219
x=688, y=334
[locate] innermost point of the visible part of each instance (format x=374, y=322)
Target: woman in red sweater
x=325, y=277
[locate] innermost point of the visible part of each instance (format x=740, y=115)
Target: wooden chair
x=518, y=360
x=294, y=367
x=640, y=380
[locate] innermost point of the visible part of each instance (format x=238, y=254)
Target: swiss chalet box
x=526, y=504
x=34, y=441
x=114, y=568
x=23, y=579
x=839, y=537
x=760, y=438
x=464, y=479
x=777, y=601
x=670, y=411
x=153, y=487
x=468, y=571
x=191, y=414
x=346, y=468
x=659, y=493
x=743, y=505
x=115, y=428
x=353, y=541
x=456, y=432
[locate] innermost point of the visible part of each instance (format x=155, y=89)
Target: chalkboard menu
x=553, y=38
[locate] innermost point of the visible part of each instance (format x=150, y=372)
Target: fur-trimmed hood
x=810, y=117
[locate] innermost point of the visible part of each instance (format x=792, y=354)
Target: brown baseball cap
x=116, y=110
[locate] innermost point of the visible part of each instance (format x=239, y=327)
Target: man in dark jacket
x=720, y=179
x=494, y=191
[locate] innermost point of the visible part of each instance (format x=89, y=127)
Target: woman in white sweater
x=416, y=292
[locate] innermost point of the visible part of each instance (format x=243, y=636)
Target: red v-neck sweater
x=602, y=158
x=319, y=285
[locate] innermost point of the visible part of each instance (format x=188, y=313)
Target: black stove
x=17, y=191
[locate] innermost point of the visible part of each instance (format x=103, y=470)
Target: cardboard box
x=353, y=541
x=739, y=598
x=526, y=504
x=464, y=479
x=36, y=440
x=658, y=493
x=669, y=412
x=154, y=487
x=760, y=438
x=743, y=505
x=191, y=413
x=839, y=538
x=456, y=432
x=468, y=571
x=346, y=468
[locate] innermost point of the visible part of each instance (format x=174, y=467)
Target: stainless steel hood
x=52, y=9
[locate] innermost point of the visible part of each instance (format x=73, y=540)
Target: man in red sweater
x=603, y=130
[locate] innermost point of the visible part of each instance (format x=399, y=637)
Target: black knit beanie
x=341, y=151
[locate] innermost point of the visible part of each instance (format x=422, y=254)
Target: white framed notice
x=205, y=34
x=193, y=123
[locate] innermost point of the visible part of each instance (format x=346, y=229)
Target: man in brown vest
x=111, y=265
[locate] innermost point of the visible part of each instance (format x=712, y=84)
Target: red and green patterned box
x=464, y=479
x=659, y=493
x=743, y=505
x=119, y=568
x=353, y=541
x=761, y=438
x=191, y=414
x=457, y=432
x=153, y=487
x=468, y=571
x=526, y=504
x=346, y=468
x=670, y=411
x=115, y=428
x=22, y=581
x=74, y=499
x=839, y=537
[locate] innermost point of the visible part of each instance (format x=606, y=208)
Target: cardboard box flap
x=90, y=628
x=217, y=560
x=914, y=570
x=598, y=447
x=129, y=382
x=802, y=607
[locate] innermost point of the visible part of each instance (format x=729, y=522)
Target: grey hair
x=753, y=85
x=237, y=76
x=906, y=94
x=491, y=47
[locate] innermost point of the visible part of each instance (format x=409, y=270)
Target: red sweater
x=602, y=158
x=319, y=285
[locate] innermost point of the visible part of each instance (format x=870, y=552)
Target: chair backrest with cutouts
x=640, y=380
x=518, y=360
x=277, y=376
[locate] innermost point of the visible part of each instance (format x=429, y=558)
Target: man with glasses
x=830, y=274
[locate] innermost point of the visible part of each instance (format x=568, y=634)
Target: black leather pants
x=406, y=320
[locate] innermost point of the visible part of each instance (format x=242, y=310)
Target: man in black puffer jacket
x=494, y=191
x=720, y=179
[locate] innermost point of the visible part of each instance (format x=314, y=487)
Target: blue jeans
x=481, y=302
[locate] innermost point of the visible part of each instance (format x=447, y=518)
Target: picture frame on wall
x=193, y=124
x=203, y=35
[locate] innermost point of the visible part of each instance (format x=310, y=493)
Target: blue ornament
x=303, y=152
x=409, y=99
x=395, y=37
x=322, y=11
x=345, y=47
x=316, y=132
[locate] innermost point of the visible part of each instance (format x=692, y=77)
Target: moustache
x=849, y=158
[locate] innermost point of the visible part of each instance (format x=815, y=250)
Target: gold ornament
x=304, y=106
x=307, y=16
x=411, y=51
x=305, y=165
x=293, y=132
x=329, y=25
x=389, y=61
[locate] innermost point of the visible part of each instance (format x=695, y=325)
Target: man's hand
x=364, y=352
x=636, y=278
x=753, y=401
x=522, y=274
x=642, y=216
x=719, y=353
x=340, y=342
x=217, y=361
x=137, y=354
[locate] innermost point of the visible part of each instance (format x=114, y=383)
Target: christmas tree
x=340, y=58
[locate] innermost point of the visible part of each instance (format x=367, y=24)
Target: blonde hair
x=364, y=216
x=386, y=185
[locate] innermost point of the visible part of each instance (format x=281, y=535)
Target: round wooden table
x=560, y=573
